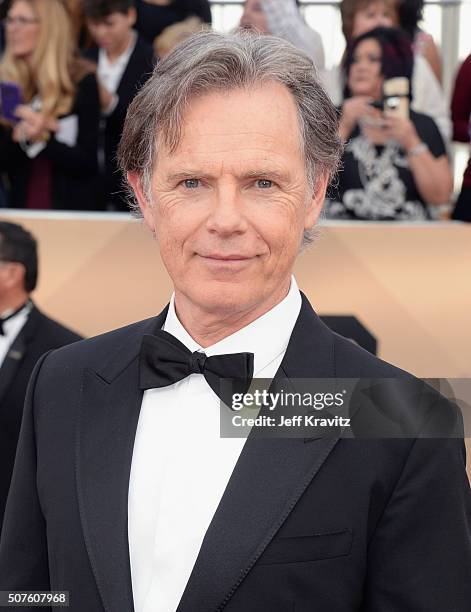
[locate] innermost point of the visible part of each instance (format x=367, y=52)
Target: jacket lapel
x=268, y=479
x=10, y=364
x=17, y=351
x=109, y=413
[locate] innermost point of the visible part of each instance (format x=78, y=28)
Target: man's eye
x=191, y=183
x=264, y=183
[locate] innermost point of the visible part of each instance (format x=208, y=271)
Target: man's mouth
x=225, y=257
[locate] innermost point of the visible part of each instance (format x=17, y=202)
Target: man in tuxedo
x=124, y=493
x=25, y=334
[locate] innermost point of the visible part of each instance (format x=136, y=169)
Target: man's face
x=112, y=32
x=254, y=16
x=11, y=278
x=230, y=205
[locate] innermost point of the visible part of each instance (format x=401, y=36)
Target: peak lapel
x=106, y=428
x=268, y=479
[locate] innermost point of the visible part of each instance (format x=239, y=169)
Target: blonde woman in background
x=49, y=154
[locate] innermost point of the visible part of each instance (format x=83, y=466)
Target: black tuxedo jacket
x=328, y=524
x=39, y=335
x=138, y=70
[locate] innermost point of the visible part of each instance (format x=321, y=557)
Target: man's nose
x=100, y=30
x=227, y=214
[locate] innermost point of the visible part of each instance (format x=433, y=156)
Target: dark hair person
x=360, y=16
x=25, y=334
x=17, y=245
x=394, y=164
x=124, y=61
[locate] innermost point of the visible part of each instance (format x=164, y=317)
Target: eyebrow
x=276, y=175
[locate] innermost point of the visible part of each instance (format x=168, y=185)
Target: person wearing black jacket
x=25, y=334
x=50, y=152
x=124, y=62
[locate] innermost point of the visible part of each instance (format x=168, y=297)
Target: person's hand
x=353, y=109
x=401, y=130
x=33, y=126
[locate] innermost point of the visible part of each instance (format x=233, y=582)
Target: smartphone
x=396, y=97
x=10, y=99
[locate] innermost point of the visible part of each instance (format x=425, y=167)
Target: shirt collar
x=10, y=326
x=122, y=59
x=6, y=313
x=266, y=337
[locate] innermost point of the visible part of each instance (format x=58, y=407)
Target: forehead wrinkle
x=226, y=155
x=205, y=148
x=239, y=140
x=241, y=168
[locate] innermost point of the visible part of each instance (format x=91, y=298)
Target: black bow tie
x=164, y=360
x=10, y=316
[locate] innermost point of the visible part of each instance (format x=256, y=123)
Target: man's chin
x=224, y=297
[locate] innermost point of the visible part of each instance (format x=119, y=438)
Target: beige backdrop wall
x=409, y=284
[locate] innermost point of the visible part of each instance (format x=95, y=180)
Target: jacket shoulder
x=353, y=361
x=56, y=333
x=97, y=351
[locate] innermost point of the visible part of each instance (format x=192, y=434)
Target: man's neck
x=118, y=52
x=12, y=302
x=208, y=327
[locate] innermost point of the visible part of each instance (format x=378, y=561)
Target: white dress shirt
x=12, y=328
x=111, y=73
x=181, y=466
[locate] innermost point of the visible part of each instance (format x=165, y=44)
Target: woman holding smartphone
x=49, y=152
x=394, y=167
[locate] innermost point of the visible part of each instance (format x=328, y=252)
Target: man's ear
x=316, y=201
x=132, y=16
x=15, y=275
x=146, y=207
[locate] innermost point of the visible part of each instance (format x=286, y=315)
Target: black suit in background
x=139, y=68
x=324, y=525
x=73, y=168
x=39, y=335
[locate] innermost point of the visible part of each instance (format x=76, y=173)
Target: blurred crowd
x=70, y=68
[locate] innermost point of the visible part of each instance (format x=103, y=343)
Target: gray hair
x=211, y=62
